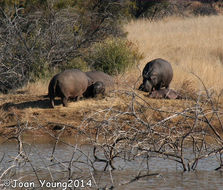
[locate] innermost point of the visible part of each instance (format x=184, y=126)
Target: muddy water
x=167, y=174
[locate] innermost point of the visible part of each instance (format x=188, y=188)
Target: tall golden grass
x=190, y=44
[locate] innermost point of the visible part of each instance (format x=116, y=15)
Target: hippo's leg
x=158, y=87
x=64, y=101
x=52, y=102
x=81, y=97
x=141, y=87
x=77, y=98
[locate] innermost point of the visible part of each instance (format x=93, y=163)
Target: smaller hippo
x=102, y=82
x=165, y=93
x=95, y=89
x=156, y=74
x=101, y=76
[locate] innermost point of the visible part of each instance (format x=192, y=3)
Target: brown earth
x=32, y=113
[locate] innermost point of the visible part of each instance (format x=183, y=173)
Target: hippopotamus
x=165, y=93
x=70, y=83
x=95, y=89
x=101, y=76
x=101, y=81
x=157, y=74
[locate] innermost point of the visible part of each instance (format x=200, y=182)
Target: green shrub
x=76, y=63
x=114, y=55
x=205, y=10
x=153, y=9
x=39, y=69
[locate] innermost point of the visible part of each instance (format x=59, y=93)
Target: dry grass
x=38, y=88
x=191, y=45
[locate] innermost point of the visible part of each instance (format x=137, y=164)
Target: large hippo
x=157, y=74
x=68, y=84
x=165, y=93
x=101, y=81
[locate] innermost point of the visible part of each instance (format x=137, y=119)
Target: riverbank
x=34, y=115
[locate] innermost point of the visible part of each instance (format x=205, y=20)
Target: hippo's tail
x=52, y=88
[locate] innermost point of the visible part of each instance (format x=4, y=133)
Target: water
x=165, y=174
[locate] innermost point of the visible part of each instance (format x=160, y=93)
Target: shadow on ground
x=42, y=103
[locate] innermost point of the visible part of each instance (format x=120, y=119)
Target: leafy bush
x=114, y=55
x=153, y=9
x=76, y=63
x=205, y=10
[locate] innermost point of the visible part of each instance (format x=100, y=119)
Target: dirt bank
x=34, y=115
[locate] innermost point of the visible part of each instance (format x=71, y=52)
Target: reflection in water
x=170, y=174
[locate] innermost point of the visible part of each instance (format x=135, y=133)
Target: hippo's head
x=98, y=88
x=149, y=82
x=146, y=86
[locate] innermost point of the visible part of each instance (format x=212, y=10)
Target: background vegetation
x=113, y=56
x=39, y=38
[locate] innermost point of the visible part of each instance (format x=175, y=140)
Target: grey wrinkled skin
x=157, y=74
x=95, y=89
x=101, y=76
x=68, y=84
x=101, y=81
x=146, y=86
x=165, y=93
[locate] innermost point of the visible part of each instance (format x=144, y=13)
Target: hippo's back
x=158, y=65
x=72, y=82
x=101, y=76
